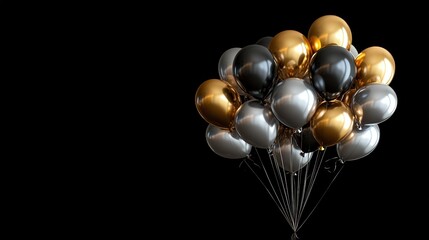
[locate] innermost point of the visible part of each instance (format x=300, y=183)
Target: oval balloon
x=374, y=103
x=306, y=140
x=374, y=65
x=353, y=51
x=216, y=102
x=226, y=143
x=288, y=155
x=327, y=30
x=331, y=123
x=265, y=41
x=255, y=70
x=359, y=143
x=294, y=102
x=225, y=68
x=332, y=71
x=256, y=124
x=292, y=53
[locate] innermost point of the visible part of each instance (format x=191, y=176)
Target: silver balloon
x=374, y=103
x=226, y=144
x=294, y=102
x=225, y=68
x=359, y=143
x=353, y=51
x=256, y=124
x=287, y=154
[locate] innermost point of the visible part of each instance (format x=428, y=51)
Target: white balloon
x=288, y=155
x=359, y=143
x=226, y=144
x=256, y=124
x=294, y=102
x=353, y=51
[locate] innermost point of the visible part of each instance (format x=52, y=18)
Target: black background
x=166, y=181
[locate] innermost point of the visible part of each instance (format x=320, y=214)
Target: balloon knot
x=294, y=236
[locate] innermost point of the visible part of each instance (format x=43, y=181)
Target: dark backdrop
x=167, y=180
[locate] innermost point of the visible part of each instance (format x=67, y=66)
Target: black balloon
x=332, y=70
x=265, y=41
x=306, y=141
x=255, y=70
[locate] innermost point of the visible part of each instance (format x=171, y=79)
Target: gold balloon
x=348, y=96
x=374, y=65
x=327, y=30
x=331, y=123
x=292, y=53
x=216, y=102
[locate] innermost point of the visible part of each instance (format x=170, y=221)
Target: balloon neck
x=321, y=148
x=358, y=125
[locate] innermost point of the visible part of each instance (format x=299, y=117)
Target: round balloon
x=292, y=53
x=331, y=123
x=359, y=143
x=256, y=124
x=225, y=68
x=288, y=155
x=255, y=70
x=353, y=51
x=216, y=102
x=306, y=140
x=374, y=65
x=226, y=143
x=374, y=103
x=332, y=71
x=327, y=30
x=265, y=41
x=294, y=102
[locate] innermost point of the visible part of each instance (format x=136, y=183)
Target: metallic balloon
x=288, y=155
x=226, y=143
x=255, y=70
x=359, y=143
x=216, y=102
x=374, y=103
x=294, y=102
x=331, y=123
x=305, y=140
x=292, y=53
x=327, y=30
x=225, y=68
x=353, y=51
x=265, y=41
x=374, y=65
x=256, y=124
x=348, y=96
x=332, y=71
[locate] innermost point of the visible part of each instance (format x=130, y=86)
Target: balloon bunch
x=318, y=86
x=295, y=95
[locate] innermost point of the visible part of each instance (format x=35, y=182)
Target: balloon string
x=286, y=192
x=304, y=188
x=292, y=189
x=332, y=164
x=314, y=173
x=336, y=175
x=282, y=186
x=301, y=184
x=271, y=184
x=269, y=192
